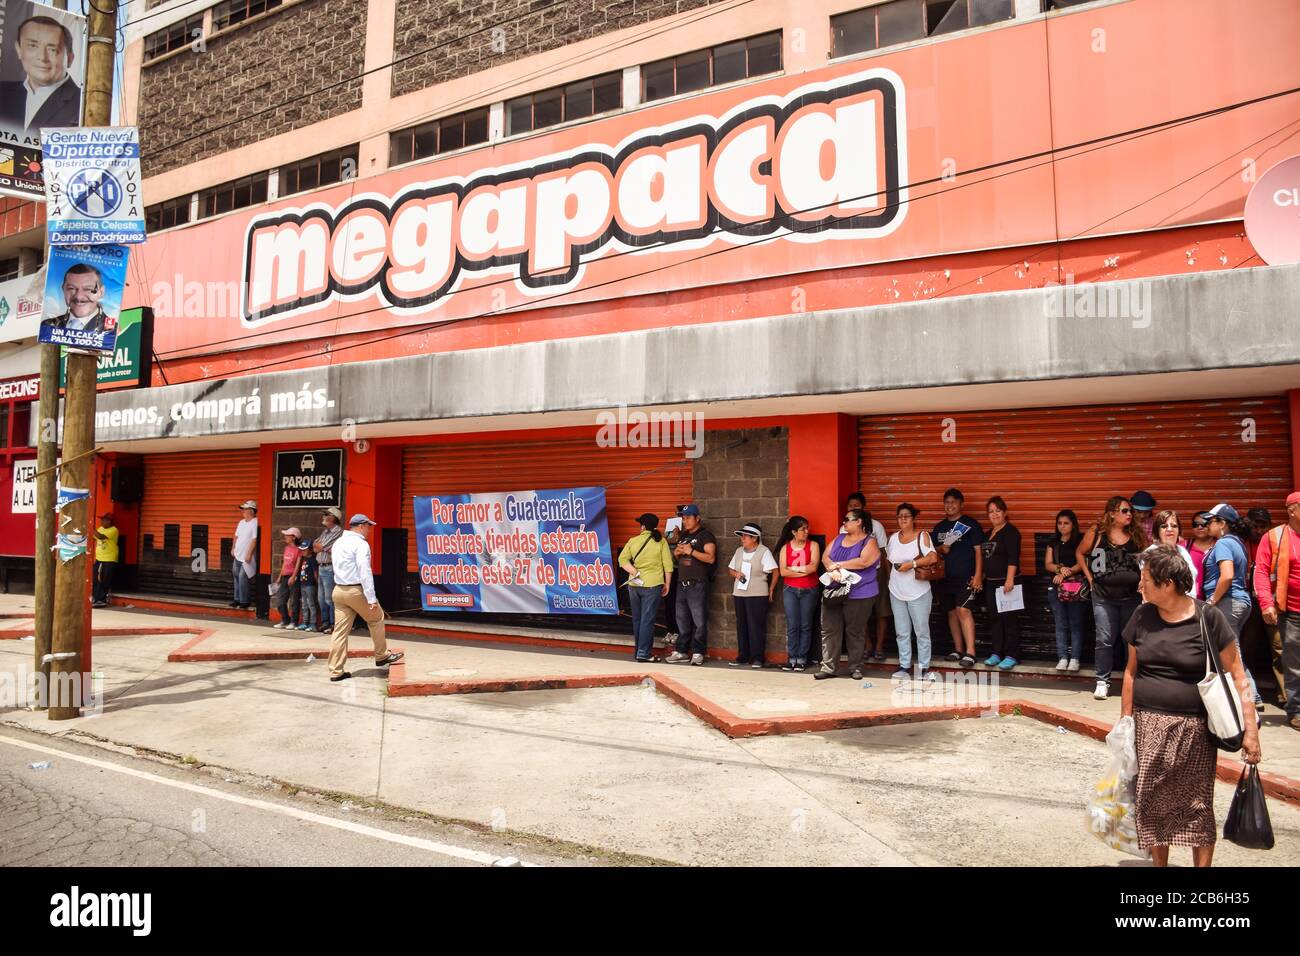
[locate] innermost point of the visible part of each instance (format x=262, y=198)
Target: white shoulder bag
x=1220, y=697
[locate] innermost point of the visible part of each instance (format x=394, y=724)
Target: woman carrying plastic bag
x=1178, y=644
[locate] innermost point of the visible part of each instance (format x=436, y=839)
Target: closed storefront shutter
x=636, y=480
x=1189, y=455
x=191, y=500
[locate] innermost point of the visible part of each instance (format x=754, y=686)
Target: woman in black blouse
x=1062, y=562
x=1110, y=552
x=1001, y=562
x=1176, y=757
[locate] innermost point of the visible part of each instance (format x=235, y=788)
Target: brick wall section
x=530, y=27
x=284, y=58
x=749, y=482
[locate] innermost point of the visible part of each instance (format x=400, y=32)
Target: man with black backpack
x=696, y=554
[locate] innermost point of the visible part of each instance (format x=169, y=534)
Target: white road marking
x=444, y=849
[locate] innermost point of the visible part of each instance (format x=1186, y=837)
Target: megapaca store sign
x=825, y=162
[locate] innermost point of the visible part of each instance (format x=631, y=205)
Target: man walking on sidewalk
x=354, y=594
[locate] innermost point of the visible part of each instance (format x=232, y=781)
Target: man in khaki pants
x=354, y=593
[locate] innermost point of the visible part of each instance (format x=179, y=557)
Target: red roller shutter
x=1189, y=455
x=196, y=488
x=636, y=480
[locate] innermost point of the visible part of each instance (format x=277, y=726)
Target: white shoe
x=1102, y=690
x=1063, y=664
x=1074, y=665
x=676, y=657
x=697, y=659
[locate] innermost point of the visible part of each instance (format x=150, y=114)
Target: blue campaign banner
x=83, y=296
x=516, y=552
x=92, y=186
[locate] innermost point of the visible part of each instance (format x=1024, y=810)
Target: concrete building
x=898, y=246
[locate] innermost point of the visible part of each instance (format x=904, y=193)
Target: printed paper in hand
x=1015, y=601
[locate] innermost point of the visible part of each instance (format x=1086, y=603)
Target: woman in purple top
x=844, y=620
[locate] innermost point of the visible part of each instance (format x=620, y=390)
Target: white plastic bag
x=1112, y=803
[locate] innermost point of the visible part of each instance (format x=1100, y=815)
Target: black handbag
x=1247, y=823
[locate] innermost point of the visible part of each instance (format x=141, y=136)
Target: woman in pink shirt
x=799, y=559
x=1201, y=544
x=287, y=587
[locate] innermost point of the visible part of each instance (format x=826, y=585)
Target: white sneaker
x=1102, y=691
x=1063, y=664
x=676, y=657
x=1074, y=665
x=697, y=659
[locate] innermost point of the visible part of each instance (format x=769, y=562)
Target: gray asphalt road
x=94, y=807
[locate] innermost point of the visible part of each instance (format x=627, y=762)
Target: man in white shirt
x=354, y=594
x=47, y=95
x=243, y=553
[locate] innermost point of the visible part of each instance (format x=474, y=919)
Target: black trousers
x=751, y=628
x=1004, y=629
x=103, y=580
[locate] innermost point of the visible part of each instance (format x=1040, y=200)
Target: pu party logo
x=827, y=161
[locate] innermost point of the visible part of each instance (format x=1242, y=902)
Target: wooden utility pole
x=47, y=452
x=71, y=600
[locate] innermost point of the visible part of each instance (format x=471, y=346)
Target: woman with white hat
x=291, y=557
x=751, y=567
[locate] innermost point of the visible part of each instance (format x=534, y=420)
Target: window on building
x=1062, y=4
x=22, y=417
x=237, y=11
x=164, y=215
x=562, y=104
x=323, y=170
x=902, y=21
x=439, y=136
x=727, y=63
x=4, y=425
x=9, y=269
x=236, y=194
x=175, y=37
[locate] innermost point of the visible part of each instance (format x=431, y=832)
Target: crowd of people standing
x=959, y=564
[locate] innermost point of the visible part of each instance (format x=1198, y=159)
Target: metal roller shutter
x=1189, y=455
x=636, y=480
x=197, y=494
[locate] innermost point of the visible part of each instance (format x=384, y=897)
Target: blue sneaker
x=1007, y=663
x=304, y=627
x=992, y=660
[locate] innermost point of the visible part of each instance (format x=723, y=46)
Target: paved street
x=93, y=807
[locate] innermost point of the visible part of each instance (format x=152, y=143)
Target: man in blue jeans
x=696, y=554
x=243, y=555
x=332, y=521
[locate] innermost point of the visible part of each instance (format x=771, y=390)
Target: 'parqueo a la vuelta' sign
x=824, y=162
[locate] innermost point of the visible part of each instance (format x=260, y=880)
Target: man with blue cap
x=354, y=595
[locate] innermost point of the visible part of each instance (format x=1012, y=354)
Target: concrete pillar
x=373, y=486
x=823, y=467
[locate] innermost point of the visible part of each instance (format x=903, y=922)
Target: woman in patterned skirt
x=1176, y=758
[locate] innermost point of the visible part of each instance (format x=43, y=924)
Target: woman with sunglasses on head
x=910, y=548
x=1168, y=531
x=1110, y=552
x=1063, y=561
x=844, y=622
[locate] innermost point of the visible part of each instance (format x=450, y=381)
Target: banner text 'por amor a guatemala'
x=520, y=552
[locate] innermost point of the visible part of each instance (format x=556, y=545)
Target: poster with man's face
x=83, y=296
x=42, y=75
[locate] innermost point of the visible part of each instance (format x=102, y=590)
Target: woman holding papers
x=1003, y=598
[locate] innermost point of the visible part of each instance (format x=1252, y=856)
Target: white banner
x=24, y=496
x=21, y=302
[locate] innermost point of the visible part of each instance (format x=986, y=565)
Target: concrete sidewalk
x=625, y=768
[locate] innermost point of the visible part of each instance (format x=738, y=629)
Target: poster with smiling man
x=83, y=296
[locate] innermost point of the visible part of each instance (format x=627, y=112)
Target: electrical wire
x=1091, y=146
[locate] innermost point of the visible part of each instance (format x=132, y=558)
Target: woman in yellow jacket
x=648, y=561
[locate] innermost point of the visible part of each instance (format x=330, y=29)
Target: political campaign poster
x=92, y=186
x=129, y=363
x=42, y=76
x=83, y=296
x=521, y=552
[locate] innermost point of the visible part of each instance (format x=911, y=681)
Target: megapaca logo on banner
x=824, y=162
